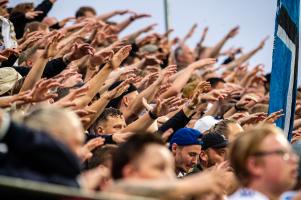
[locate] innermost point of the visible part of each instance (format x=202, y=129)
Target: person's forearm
x=214, y=51
x=178, y=83
x=34, y=74
x=106, y=16
x=5, y=101
x=136, y=107
x=139, y=65
x=245, y=80
x=82, y=63
x=230, y=112
x=71, y=28
x=68, y=39
x=122, y=25
x=64, y=49
x=97, y=106
x=94, y=86
x=140, y=125
x=107, y=84
x=89, y=74
x=243, y=58
x=27, y=54
x=230, y=77
x=133, y=36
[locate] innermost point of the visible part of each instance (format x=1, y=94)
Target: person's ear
x=254, y=167
x=174, y=148
x=203, y=156
x=128, y=171
x=100, y=130
x=126, y=101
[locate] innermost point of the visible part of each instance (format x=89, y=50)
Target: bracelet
x=237, y=108
x=191, y=107
x=132, y=18
x=65, y=60
x=152, y=115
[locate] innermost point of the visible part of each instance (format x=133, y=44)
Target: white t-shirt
x=288, y=195
x=247, y=194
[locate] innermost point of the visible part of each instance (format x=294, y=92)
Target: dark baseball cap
x=186, y=137
x=214, y=140
x=116, y=101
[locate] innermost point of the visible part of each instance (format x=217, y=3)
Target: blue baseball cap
x=186, y=137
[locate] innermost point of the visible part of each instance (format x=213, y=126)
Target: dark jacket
x=35, y=155
x=179, y=120
x=52, y=68
x=19, y=20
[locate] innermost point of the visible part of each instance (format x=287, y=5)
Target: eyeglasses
x=285, y=155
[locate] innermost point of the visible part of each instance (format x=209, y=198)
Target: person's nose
x=295, y=158
x=194, y=160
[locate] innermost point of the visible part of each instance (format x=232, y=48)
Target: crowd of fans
x=142, y=114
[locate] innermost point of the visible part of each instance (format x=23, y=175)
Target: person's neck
x=265, y=190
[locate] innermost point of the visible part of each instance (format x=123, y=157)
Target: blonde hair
x=245, y=146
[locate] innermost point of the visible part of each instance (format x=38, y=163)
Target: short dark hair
x=109, y=112
x=81, y=11
x=100, y=155
x=215, y=80
x=131, y=150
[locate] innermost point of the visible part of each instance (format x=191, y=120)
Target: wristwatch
x=65, y=60
x=191, y=107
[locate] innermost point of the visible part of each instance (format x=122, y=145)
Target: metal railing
x=15, y=188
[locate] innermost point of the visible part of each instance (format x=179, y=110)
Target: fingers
x=84, y=112
x=3, y=58
x=203, y=63
x=274, y=116
x=93, y=143
x=204, y=86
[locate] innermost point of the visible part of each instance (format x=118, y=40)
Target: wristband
x=65, y=60
x=237, y=108
x=152, y=115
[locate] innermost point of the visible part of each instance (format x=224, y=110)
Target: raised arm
x=190, y=33
x=96, y=82
x=108, y=15
x=136, y=107
x=185, y=74
x=244, y=57
x=121, y=26
x=215, y=50
x=132, y=37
